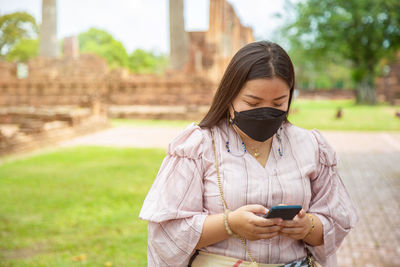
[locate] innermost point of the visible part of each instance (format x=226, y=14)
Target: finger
x=301, y=214
x=266, y=230
x=299, y=217
x=297, y=230
x=267, y=222
x=290, y=223
x=255, y=208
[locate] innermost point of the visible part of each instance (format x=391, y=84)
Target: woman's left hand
x=297, y=228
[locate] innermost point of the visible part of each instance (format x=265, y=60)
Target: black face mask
x=260, y=123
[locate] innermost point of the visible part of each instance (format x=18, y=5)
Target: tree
x=103, y=44
x=141, y=61
x=318, y=73
x=24, y=50
x=13, y=28
x=361, y=32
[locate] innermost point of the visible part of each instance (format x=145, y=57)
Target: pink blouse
x=185, y=191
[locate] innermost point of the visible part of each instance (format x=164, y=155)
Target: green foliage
x=103, y=44
x=319, y=73
x=355, y=33
x=24, y=50
x=15, y=27
x=141, y=61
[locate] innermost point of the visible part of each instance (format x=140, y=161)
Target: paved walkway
x=128, y=136
x=369, y=166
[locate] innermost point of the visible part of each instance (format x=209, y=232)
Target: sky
x=144, y=23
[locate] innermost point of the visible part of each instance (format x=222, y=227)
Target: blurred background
x=92, y=92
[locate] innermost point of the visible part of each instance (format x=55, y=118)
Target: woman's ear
x=230, y=111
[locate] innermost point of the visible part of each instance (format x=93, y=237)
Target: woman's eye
x=251, y=104
x=278, y=105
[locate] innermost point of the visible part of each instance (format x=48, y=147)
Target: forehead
x=265, y=88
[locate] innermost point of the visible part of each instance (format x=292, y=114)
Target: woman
x=244, y=157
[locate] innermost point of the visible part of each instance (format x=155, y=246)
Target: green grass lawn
x=319, y=114
x=76, y=207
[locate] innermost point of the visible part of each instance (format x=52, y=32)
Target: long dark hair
x=256, y=60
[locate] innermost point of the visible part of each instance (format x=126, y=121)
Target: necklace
x=256, y=153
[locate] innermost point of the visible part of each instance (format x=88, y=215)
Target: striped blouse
x=185, y=191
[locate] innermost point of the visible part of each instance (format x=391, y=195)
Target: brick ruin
x=82, y=93
x=211, y=51
x=388, y=86
x=87, y=80
x=49, y=99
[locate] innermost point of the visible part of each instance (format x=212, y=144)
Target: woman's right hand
x=244, y=222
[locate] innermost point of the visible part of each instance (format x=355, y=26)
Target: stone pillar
x=215, y=38
x=71, y=47
x=48, y=29
x=215, y=20
x=177, y=36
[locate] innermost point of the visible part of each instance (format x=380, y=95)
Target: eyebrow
x=258, y=98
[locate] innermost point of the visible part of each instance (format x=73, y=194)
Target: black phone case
x=285, y=214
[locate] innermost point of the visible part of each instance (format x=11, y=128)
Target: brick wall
x=79, y=82
x=388, y=87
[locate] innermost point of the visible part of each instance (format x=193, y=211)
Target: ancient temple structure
x=178, y=36
x=208, y=53
x=58, y=98
x=48, y=30
x=211, y=51
x=388, y=86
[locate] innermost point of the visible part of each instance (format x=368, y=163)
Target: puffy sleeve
x=174, y=205
x=331, y=202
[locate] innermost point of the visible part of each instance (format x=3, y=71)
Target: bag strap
x=221, y=193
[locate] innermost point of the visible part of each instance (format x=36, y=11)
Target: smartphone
x=284, y=212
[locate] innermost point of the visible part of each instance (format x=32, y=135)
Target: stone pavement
x=128, y=136
x=369, y=164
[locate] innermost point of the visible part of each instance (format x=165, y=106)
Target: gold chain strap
x=254, y=263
